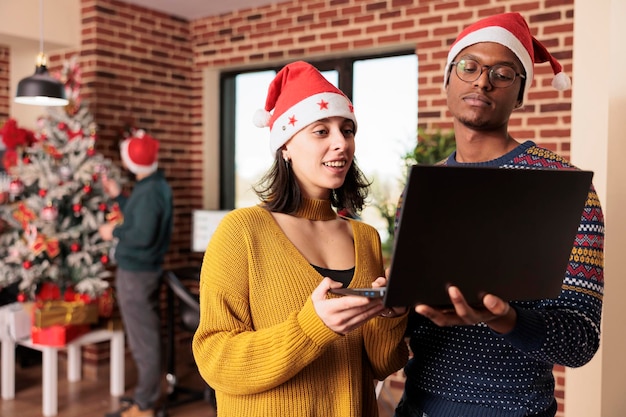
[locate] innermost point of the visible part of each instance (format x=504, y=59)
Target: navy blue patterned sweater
x=471, y=371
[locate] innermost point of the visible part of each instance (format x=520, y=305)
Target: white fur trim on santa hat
x=495, y=34
x=133, y=167
x=561, y=82
x=313, y=108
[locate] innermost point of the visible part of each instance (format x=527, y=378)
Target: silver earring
x=287, y=162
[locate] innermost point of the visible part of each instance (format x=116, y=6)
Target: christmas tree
x=55, y=203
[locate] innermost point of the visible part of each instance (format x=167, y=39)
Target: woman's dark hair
x=279, y=191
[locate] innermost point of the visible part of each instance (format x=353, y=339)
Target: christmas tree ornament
x=42, y=192
x=65, y=172
x=27, y=265
x=16, y=187
x=75, y=247
x=49, y=213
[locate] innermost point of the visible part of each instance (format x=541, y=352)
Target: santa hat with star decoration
x=299, y=95
x=512, y=31
x=140, y=153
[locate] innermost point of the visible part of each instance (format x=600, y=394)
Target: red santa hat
x=139, y=152
x=512, y=31
x=299, y=95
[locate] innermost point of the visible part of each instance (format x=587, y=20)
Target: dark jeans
x=137, y=295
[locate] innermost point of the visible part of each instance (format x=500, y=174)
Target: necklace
x=316, y=210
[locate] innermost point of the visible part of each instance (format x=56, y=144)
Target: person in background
x=272, y=339
x=142, y=241
x=498, y=360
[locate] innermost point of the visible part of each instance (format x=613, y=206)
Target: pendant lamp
x=41, y=89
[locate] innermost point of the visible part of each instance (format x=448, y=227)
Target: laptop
x=508, y=232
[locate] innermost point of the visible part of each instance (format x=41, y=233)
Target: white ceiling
x=195, y=9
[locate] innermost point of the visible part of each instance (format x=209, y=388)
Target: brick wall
x=144, y=68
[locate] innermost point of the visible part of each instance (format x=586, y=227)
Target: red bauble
x=74, y=247
x=102, y=207
x=87, y=188
x=91, y=152
x=27, y=264
x=104, y=259
x=26, y=160
x=21, y=297
x=77, y=207
x=42, y=192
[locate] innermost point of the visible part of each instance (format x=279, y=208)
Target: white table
x=74, y=365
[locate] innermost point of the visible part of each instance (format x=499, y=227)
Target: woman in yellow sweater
x=272, y=340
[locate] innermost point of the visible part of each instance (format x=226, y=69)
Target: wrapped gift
x=58, y=335
x=15, y=321
x=57, y=312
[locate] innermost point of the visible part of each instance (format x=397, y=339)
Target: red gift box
x=58, y=335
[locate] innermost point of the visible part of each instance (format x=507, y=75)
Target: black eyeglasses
x=499, y=75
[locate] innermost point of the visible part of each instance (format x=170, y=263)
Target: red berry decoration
x=27, y=264
x=74, y=247
x=91, y=152
x=21, y=297
x=87, y=188
x=104, y=259
x=102, y=207
x=77, y=207
x=26, y=160
x=42, y=192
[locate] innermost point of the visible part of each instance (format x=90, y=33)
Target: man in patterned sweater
x=498, y=361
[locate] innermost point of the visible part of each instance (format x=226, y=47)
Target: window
x=383, y=90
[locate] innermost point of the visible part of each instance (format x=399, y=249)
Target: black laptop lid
x=508, y=232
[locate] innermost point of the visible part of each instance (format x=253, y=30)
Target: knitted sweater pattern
x=472, y=371
x=260, y=343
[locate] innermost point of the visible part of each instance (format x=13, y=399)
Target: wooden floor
x=90, y=397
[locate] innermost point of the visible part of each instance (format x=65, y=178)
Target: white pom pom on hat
x=512, y=31
x=298, y=96
x=140, y=153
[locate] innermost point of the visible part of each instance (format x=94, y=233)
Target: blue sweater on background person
x=472, y=371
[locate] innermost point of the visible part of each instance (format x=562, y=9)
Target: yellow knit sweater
x=261, y=345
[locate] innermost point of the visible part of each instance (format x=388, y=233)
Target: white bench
x=74, y=365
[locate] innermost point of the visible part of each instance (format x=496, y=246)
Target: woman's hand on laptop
x=495, y=313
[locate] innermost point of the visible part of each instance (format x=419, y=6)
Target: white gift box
x=15, y=321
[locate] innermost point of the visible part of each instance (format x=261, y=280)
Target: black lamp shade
x=41, y=89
